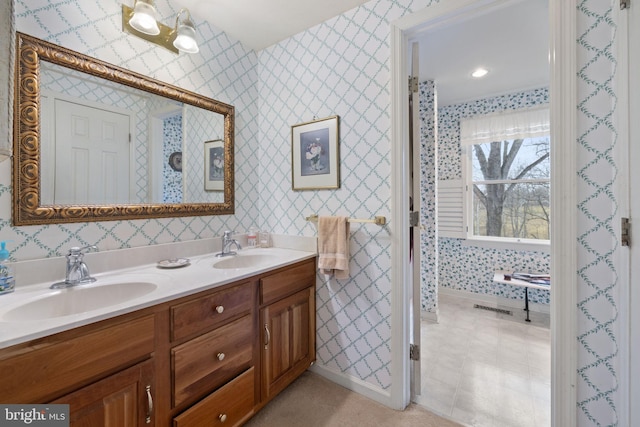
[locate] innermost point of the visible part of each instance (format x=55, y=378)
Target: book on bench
x=535, y=278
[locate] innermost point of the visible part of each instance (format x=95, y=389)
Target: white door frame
x=628, y=153
x=562, y=15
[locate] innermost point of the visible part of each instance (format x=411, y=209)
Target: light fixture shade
x=479, y=72
x=186, y=37
x=144, y=18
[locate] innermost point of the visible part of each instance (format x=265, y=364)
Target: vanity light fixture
x=185, y=39
x=479, y=72
x=141, y=21
x=144, y=18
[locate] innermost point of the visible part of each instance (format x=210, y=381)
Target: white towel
x=333, y=246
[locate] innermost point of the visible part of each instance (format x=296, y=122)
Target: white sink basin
x=245, y=261
x=77, y=300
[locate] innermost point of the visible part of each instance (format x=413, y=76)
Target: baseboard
x=429, y=316
x=492, y=299
x=353, y=384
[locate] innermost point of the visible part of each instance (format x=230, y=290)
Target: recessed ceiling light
x=480, y=72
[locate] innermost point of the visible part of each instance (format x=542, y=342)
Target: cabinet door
x=121, y=400
x=288, y=342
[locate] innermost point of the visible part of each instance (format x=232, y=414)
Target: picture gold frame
x=214, y=165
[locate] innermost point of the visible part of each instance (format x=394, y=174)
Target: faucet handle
x=228, y=234
x=75, y=250
x=78, y=252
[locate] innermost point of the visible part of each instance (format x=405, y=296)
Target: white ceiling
x=261, y=23
x=511, y=41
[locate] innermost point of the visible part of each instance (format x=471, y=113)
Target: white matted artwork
x=315, y=154
x=214, y=165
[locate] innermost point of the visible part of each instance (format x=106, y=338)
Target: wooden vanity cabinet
x=212, y=358
x=101, y=370
x=287, y=321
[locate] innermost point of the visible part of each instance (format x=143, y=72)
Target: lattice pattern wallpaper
x=339, y=67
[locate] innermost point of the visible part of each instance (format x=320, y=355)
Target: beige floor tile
x=473, y=419
x=479, y=389
x=515, y=365
x=515, y=406
x=511, y=382
x=437, y=395
x=541, y=373
x=504, y=379
x=542, y=413
x=446, y=374
x=541, y=390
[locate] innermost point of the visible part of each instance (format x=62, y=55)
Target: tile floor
x=481, y=368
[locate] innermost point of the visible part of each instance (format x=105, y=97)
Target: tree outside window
x=510, y=189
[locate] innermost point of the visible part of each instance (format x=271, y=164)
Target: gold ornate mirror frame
x=26, y=207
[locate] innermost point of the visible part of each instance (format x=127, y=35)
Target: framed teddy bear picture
x=315, y=154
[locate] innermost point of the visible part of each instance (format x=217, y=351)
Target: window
x=508, y=189
x=508, y=176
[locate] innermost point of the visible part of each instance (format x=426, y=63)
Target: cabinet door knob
x=220, y=309
x=220, y=356
x=222, y=417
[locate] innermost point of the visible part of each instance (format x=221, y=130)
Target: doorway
x=562, y=104
x=477, y=348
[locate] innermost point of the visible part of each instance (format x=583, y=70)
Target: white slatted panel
x=451, y=218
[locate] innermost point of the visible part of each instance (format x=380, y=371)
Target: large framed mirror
x=96, y=142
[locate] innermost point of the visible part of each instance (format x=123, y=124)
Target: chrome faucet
x=77, y=270
x=227, y=241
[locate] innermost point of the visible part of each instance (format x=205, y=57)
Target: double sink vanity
x=209, y=343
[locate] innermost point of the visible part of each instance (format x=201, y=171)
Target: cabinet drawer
x=204, y=363
x=57, y=367
x=211, y=311
x=290, y=281
x=229, y=406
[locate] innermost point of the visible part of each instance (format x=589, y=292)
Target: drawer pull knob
x=220, y=309
x=220, y=356
x=222, y=417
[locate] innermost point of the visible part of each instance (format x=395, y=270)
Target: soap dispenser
x=7, y=279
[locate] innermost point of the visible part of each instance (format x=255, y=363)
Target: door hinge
x=624, y=4
x=413, y=84
x=414, y=352
x=414, y=219
x=625, y=232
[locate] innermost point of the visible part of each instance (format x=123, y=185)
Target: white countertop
x=199, y=275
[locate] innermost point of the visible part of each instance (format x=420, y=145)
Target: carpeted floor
x=313, y=401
